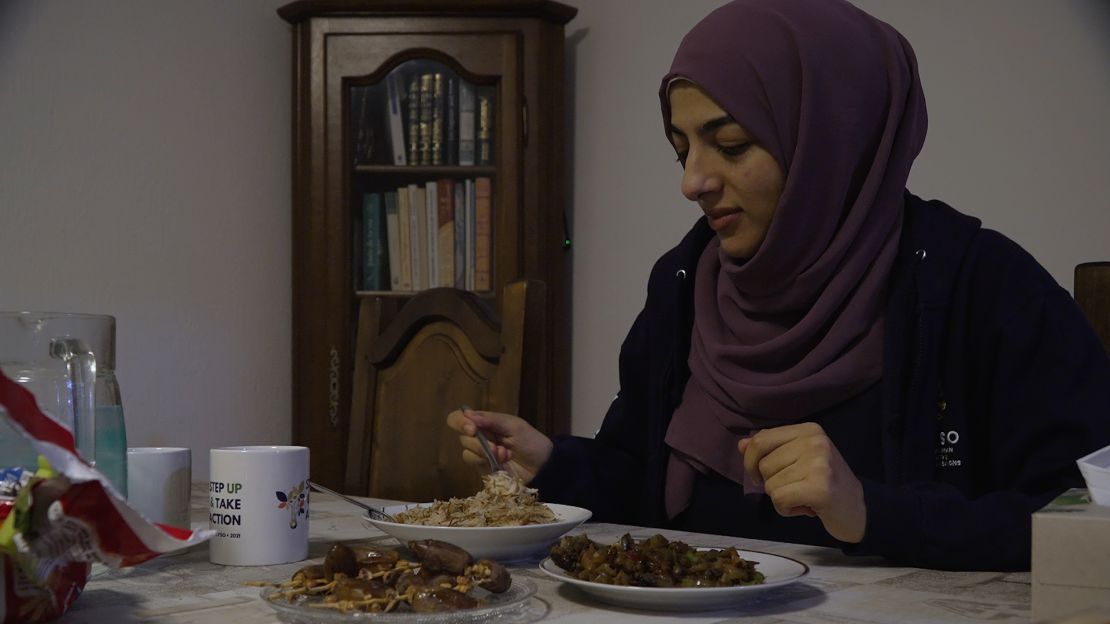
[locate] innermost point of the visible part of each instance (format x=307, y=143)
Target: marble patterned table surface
x=185, y=587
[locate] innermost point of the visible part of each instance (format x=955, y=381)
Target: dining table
x=838, y=588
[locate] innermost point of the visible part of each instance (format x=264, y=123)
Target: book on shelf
x=445, y=237
x=451, y=121
x=412, y=120
x=375, y=260
x=483, y=231
x=397, y=146
x=419, y=236
x=485, y=129
x=393, y=239
x=459, y=208
x=467, y=107
x=431, y=240
x=438, y=113
x=427, y=106
x=469, y=243
x=404, y=246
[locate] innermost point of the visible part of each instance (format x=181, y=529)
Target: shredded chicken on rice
x=503, y=501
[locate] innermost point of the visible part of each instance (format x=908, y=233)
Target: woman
x=826, y=358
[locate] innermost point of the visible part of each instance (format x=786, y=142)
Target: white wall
x=144, y=173
x=1018, y=94
x=145, y=154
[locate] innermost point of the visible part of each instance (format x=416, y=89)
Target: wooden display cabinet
x=350, y=58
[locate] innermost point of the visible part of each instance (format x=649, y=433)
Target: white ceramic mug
x=159, y=479
x=258, y=505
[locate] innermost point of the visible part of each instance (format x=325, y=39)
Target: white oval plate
x=499, y=543
x=777, y=571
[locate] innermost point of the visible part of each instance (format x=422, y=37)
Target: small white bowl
x=498, y=543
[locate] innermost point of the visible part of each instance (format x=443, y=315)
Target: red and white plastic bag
x=55, y=523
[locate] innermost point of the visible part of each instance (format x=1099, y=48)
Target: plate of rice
x=504, y=521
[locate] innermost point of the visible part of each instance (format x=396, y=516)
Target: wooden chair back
x=441, y=350
x=1092, y=293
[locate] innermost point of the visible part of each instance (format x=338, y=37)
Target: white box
x=1071, y=557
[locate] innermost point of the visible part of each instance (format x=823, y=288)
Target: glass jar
x=68, y=362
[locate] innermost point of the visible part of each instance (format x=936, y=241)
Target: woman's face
x=736, y=182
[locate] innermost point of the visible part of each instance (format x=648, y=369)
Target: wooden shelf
x=426, y=171
x=399, y=294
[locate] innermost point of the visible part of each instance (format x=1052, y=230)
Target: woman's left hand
x=804, y=474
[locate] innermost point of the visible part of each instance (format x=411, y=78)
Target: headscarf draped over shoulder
x=834, y=95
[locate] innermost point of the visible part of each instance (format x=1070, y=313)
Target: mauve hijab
x=833, y=94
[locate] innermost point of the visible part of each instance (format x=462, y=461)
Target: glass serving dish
x=509, y=607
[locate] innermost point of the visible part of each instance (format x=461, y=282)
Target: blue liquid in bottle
x=111, y=445
x=15, y=450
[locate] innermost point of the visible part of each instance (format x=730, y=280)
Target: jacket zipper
x=916, y=371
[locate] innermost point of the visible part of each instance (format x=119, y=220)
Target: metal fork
x=375, y=513
x=494, y=465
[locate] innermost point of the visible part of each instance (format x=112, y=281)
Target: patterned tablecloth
x=187, y=588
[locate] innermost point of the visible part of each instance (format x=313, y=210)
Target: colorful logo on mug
x=296, y=500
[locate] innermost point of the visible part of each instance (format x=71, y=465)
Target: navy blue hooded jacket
x=993, y=385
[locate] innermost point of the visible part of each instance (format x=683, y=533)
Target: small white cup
x=158, y=483
x=258, y=505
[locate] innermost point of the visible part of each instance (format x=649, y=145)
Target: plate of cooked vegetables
x=659, y=574
x=427, y=582
x=504, y=521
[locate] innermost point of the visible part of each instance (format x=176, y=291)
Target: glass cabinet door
x=422, y=132
x=421, y=147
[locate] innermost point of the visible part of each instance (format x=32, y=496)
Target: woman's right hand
x=519, y=446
